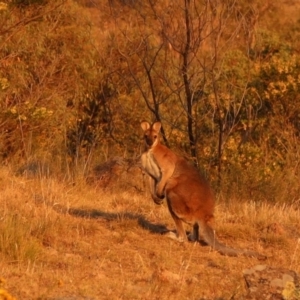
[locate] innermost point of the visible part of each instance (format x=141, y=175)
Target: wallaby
x=189, y=196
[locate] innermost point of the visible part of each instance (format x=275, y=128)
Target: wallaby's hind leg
x=181, y=235
x=194, y=235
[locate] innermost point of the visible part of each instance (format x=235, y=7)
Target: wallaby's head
x=151, y=133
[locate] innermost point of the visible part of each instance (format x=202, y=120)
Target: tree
x=42, y=70
x=177, y=61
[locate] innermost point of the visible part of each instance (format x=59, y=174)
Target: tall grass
x=16, y=240
x=25, y=224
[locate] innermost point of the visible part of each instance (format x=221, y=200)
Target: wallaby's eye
x=155, y=136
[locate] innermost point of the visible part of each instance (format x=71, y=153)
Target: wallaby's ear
x=156, y=126
x=145, y=125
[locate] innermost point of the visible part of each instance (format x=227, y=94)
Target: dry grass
x=60, y=241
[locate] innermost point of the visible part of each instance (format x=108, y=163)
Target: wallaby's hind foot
x=194, y=235
x=174, y=236
x=192, y=238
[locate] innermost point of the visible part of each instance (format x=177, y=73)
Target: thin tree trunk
x=187, y=88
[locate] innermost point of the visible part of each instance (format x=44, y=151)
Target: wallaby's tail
x=208, y=234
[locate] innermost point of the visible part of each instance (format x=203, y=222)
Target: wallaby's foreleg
x=152, y=185
x=160, y=188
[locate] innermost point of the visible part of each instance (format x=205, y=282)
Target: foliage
x=22, y=3
x=77, y=77
x=41, y=74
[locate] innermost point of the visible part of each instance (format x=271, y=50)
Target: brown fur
x=189, y=196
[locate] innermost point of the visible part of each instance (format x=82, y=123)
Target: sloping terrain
x=66, y=241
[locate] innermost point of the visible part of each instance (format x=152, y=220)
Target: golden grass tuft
x=64, y=240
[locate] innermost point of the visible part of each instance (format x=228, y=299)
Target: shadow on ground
x=98, y=214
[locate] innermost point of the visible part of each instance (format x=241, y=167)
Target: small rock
x=266, y=282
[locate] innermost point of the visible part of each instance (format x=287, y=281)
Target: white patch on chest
x=150, y=166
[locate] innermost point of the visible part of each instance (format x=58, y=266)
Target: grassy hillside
x=76, y=80
x=64, y=241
